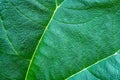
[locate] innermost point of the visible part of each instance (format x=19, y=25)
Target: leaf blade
x=111, y=69
x=69, y=37
x=24, y=23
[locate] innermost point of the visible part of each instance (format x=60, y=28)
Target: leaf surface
x=60, y=38
x=77, y=36
x=106, y=69
x=22, y=23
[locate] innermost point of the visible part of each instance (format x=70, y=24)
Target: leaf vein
x=2, y=20
x=116, y=53
x=22, y=12
x=42, y=38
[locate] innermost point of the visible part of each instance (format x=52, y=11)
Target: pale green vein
x=57, y=7
x=3, y=25
x=10, y=43
x=22, y=12
x=56, y=3
x=116, y=53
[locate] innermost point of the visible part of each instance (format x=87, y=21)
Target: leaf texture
x=106, y=69
x=59, y=39
x=22, y=23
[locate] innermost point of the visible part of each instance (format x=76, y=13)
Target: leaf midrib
x=56, y=8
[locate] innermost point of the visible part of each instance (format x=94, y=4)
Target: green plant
x=59, y=39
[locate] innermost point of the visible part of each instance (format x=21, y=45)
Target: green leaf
x=22, y=23
x=59, y=39
x=106, y=69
